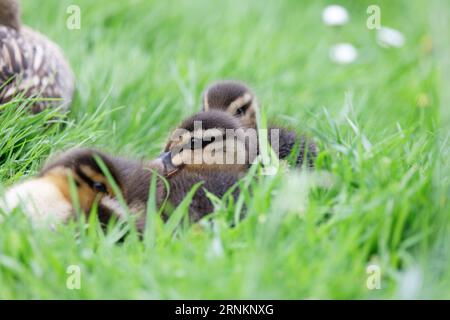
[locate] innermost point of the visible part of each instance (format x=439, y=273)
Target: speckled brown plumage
x=30, y=64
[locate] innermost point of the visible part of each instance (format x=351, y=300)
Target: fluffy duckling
x=208, y=147
x=212, y=140
x=237, y=99
x=49, y=196
x=233, y=97
x=31, y=64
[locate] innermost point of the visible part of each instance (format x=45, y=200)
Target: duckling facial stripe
x=84, y=177
x=240, y=102
x=205, y=103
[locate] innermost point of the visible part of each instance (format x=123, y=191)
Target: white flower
x=410, y=284
x=343, y=53
x=335, y=15
x=388, y=37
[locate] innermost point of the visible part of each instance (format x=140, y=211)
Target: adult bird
x=31, y=65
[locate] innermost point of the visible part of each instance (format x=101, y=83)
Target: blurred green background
x=381, y=124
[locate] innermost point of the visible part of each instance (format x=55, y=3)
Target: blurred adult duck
x=31, y=65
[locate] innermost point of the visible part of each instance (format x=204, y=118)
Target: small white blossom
x=388, y=37
x=335, y=15
x=343, y=53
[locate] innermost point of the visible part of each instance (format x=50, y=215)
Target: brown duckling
x=201, y=142
x=237, y=99
x=31, y=64
x=49, y=196
x=234, y=97
x=211, y=147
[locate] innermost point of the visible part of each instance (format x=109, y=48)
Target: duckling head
x=233, y=97
x=10, y=13
x=212, y=140
x=49, y=196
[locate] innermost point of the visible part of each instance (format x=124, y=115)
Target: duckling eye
x=242, y=110
x=99, y=187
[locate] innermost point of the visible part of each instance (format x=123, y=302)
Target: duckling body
x=31, y=64
x=237, y=99
x=48, y=196
x=179, y=185
x=219, y=134
x=187, y=160
x=290, y=142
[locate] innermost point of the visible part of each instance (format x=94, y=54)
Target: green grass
x=380, y=195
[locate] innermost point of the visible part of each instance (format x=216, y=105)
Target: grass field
x=380, y=194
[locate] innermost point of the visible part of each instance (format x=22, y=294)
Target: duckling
x=234, y=97
x=201, y=142
x=49, y=196
x=237, y=98
x=31, y=64
x=211, y=147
